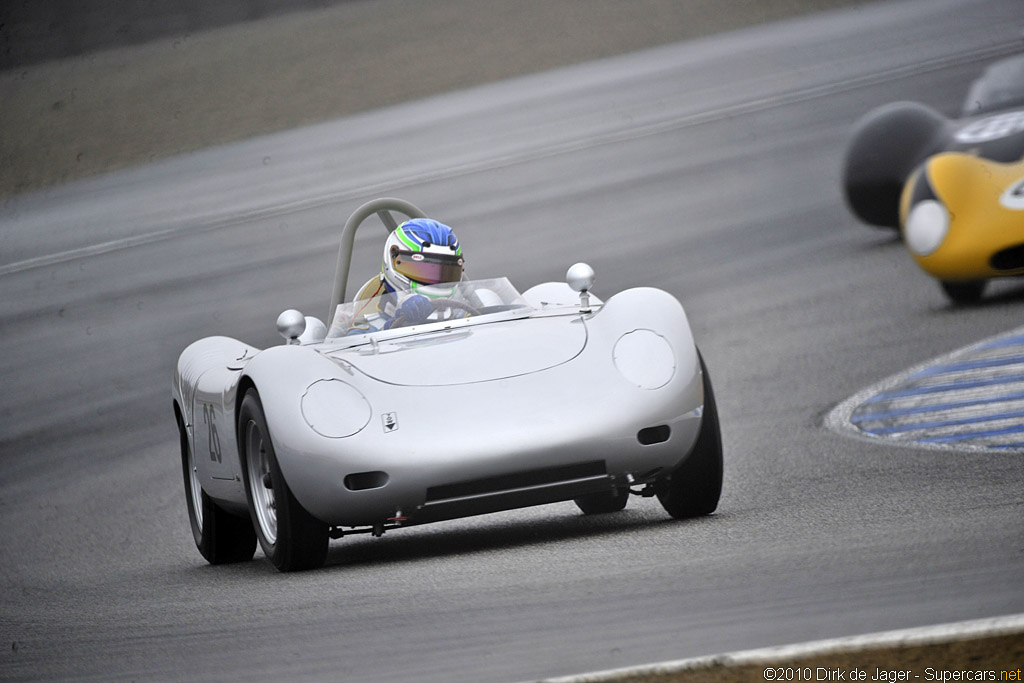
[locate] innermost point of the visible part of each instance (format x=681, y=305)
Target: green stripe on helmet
x=406, y=240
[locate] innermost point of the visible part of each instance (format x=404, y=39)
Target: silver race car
x=488, y=400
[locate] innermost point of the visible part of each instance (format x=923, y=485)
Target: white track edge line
x=922, y=635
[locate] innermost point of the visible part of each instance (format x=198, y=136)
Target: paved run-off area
x=192, y=88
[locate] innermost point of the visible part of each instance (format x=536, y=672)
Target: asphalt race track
x=709, y=169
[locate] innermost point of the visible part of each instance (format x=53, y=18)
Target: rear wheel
x=603, y=502
x=693, y=488
x=220, y=536
x=887, y=144
x=291, y=538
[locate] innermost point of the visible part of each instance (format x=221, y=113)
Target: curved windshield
x=445, y=303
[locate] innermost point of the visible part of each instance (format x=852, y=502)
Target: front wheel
x=220, y=536
x=964, y=293
x=694, y=487
x=603, y=501
x=291, y=538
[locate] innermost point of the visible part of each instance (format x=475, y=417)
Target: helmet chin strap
x=402, y=283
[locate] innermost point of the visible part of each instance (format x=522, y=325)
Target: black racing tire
x=291, y=538
x=964, y=293
x=220, y=536
x=886, y=145
x=603, y=501
x=694, y=487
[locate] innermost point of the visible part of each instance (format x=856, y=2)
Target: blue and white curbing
x=971, y=399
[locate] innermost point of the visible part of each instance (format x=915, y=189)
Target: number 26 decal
x=208, y=415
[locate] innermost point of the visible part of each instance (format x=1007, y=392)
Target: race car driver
x=419, y=254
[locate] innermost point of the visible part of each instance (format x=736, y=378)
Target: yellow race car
x=962, y=219
x=954, y=188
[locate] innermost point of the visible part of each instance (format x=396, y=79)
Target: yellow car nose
x=962, y=217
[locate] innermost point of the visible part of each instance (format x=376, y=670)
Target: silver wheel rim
x=258, y=464
x=195, y=490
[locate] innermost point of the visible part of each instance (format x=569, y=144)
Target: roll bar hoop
x=383, y=208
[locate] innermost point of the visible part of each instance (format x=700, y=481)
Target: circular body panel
x=645, y=358
x=335, y=409
x=926, y=227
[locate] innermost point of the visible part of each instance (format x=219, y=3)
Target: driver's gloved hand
x=415, y=309
x=388, y=304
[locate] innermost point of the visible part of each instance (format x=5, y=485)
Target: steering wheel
x=453, y=305
x=439, y=306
